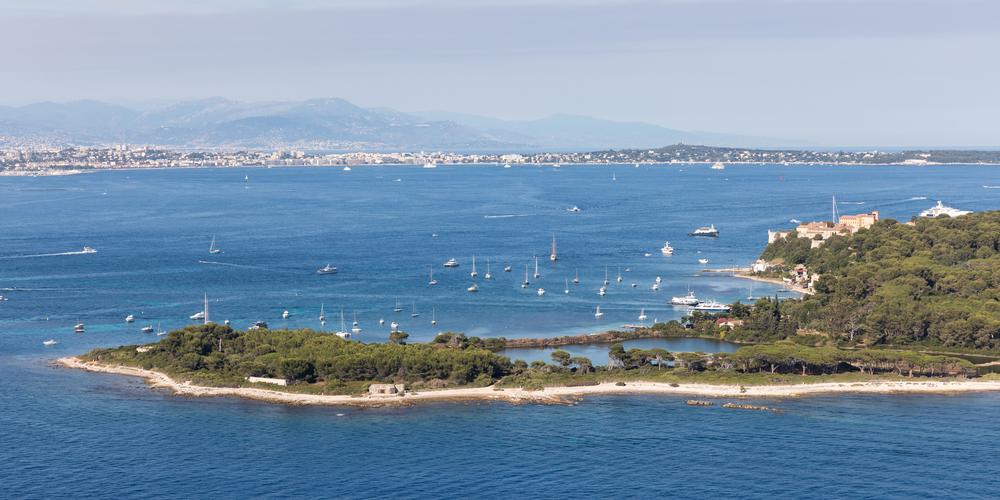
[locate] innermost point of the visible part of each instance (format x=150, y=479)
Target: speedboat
x=327, y=269
x=258, y=325
x=507, y=269
x=573, y=209
x=655, y=287
x=50, y=342
x=430, y=165
x=541, y=292
x=473, y=288
x=197, y=316
x=147, y=329
x=710, y=232
x=506, y=165
x=658, y=280
x=393, y=325
x=129, y=319
x=451, y=263
x=285, y=314
x=347, y=169
x=88, y=250
x=703, y=261
x=381, y=321
x=942, y=209
x=711, y=306
x=78, y=328
x=718, y=166
x=688, y=300
x=667, y=249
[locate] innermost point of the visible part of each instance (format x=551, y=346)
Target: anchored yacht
x=942, y=209
x=688, y=300
x=710, y=232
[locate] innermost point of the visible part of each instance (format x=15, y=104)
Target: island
x=896, y=307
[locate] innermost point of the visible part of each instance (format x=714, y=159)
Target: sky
x=834, y=73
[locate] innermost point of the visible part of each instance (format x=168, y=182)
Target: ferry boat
x=129, y=319
x=212, y=249
x=327, y=269
x=79, y=328
x=667, y=249
x=147, y=329
x=88, y=250
x=942, y=209
x=50, y=342
x=710, y=232
x=451, y=263
x=688, y=300
x=718, y=166
x=711, y=306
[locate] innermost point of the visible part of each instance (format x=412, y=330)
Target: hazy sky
x=849, y=72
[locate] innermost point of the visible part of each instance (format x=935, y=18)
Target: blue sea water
x=67, y=433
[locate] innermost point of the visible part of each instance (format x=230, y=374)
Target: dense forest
x=933, y=282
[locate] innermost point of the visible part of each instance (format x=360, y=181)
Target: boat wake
x=507, y=216
x=32, y=256
x=917, y=198
x=229, y=264
x=990, y=187
x=850, y=203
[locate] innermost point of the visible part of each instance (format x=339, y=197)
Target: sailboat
x=613, y=176
x=488, y=274
x=130, y=319
x=473, y=273
x=526, y=282
x=212, y=249
x=356, y=328
x=322, y=314
x=508, y=269
x=576, y=278
x=606, y=276
x=159, y=331
x=343, y=333
x=552, y=256
x=434, y=320
x=619, y=274
x=566, y=290
x=398, y=307
x=414, y=314
x=642, y=314
x=537, y=274
x=750, y=295
x=602, y=291
x=598, y=314
x=433, y=281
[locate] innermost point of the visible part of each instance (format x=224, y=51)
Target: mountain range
x=328, y=124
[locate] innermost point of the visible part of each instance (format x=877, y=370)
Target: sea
x=66, y=433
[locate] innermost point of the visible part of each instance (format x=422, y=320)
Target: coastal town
x=40, y=160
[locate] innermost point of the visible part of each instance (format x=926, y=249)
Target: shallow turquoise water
x=67, y=433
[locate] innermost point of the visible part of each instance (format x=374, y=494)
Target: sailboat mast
x=206, y=308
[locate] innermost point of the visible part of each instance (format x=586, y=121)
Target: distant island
x=895, y=308
x=81, y=159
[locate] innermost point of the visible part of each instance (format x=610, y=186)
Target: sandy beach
x=550, y=395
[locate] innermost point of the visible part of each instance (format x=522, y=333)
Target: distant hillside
x=325, y=124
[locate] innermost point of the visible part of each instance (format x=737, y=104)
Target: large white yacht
x=709, y=231
x=942, y=209
x=451, y=263
x=711, y=306
x=687, y=300
x=667, y=249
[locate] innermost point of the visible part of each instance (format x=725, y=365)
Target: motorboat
x=50, y=342
x=474, y=288
x=430, y=165
x=147, y=329
x=327, y=269
x=507, y=269
x=258, y=325
x=603, y=291
x=718, y=166
x=709, y=232
x=130, y=319
x=573, y=209
x=541, y=292
x=655, y=287
x=285, y=314
x=451, y=263
x=703, y=261
x=687, y=300
x=79, y=328
x=88, y=250
x=667, y=249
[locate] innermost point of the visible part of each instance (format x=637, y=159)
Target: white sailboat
x=537, y=274
x=50, y=342
x=642, y=314
x=566, y=290
x=598, y=314
x=434, y=320
x=488, y=274
x=473, y=273
x=620, y=274
x=433, y=281
x=343, y=333
x=552, y=256
x=576, y=278
x=160, y=331
x=398, y=307
x=356, y=327
x=212, y=249
x=322, y=314
x=541, y=292
x=414, y=314
x=606, y=282
x=526, y=282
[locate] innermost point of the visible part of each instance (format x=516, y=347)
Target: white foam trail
x=216, y=263
x=990, y=187
x=505, y=216
x=43, y=255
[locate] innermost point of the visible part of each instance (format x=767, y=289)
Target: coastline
x=548, y=395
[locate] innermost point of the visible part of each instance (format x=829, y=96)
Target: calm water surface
x=68, y=433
